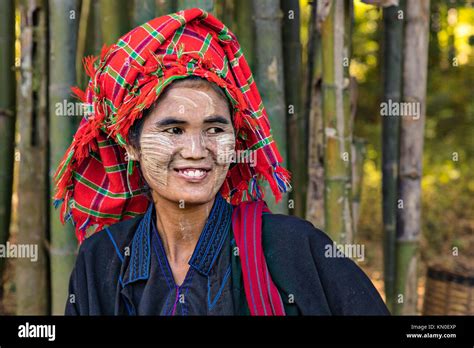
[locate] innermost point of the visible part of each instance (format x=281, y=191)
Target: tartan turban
x=96, y=184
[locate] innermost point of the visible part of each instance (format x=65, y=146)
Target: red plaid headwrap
x=95, y=183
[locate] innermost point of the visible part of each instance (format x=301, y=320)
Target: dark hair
x=191, y=82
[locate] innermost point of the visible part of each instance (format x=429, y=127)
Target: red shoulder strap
x=262, y=295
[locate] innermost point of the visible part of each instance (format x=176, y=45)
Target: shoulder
x=293, y=245
x=110, y=240
x=280, y=230
x=299, y=253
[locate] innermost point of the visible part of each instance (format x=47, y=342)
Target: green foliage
x=448, y=182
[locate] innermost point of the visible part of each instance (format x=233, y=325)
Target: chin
x=192, y=191
x=190, y=196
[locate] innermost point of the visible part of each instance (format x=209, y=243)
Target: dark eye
x=215, y=130
x=174, y=130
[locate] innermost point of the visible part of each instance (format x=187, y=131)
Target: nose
x=194, y=147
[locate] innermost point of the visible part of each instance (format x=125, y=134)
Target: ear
x=132, y=152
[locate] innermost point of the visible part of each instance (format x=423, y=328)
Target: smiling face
x=187, y=143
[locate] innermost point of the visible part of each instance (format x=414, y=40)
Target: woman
x=168, y=108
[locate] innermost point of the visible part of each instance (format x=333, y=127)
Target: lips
x=193, y=174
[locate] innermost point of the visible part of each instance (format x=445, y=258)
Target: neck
x=180, y=228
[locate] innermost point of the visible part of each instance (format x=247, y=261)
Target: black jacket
x=309, y=282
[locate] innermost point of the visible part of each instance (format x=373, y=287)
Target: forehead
x=192, y=96
x=190, y=103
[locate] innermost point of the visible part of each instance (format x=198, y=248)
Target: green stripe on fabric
x=66, y=163
x=103, y=191
x=258, y=113
x=235, y=61
x=117, y=77
x=116, y=168
x=224, y=34
x=174, y=40
x=132, y=213
x=109, y=103
x=262, y=143
x=250, y=80
x=245, y=88
x=178, y=18
x=190, y=67
x=155, y=33
x=238, y=54
x=232, y=99
x=95, y=213
x=160, y=86
x=205, y=45
x=121, y=140
x=131, y=52
x=225, y=67
x=105, y=143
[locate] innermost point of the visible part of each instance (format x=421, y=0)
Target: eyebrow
x=168, y=121
x=209, y=119
x=216, y=119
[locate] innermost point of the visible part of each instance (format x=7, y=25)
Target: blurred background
x=397, y=185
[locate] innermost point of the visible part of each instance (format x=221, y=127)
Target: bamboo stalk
x=7, y=118
x=164, y=7
x=206, y=5
x=31, y=277
x=89, y=41
x=245, y=30
x=225, y=12
x=296, y=121
x=358, y=159
x=393, y=48
x=415, y=60
x=270, y=78
x=337, y=125
x=143, y=11
x=313, y=108
x=63, y=39
x=115, y=21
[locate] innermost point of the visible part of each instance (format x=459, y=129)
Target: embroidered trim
x=139, y=267
x=213, y=236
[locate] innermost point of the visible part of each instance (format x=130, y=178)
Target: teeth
x=192, y=173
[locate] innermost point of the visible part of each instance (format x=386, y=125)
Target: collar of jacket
x=204, y=256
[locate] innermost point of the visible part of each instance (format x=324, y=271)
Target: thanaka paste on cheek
x=156, y=154
x=223, y=149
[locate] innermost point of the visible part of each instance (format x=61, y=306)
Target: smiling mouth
x=192, y=174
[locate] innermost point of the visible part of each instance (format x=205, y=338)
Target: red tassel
x=271, y=181
x=105, y=52
x=238, y=120
x=285, y=173
x=79, y=93
x=89, y=65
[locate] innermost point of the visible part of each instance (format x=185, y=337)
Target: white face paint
x=187, y=143
x=156, y=152
x=225, y=148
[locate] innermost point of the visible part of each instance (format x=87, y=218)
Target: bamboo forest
x=370, y=102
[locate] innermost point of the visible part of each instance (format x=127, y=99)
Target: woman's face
x=187, y=144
